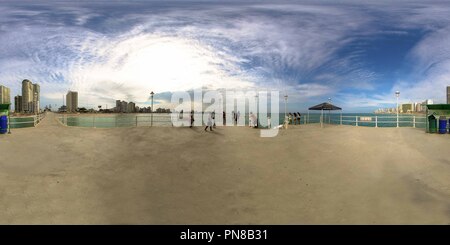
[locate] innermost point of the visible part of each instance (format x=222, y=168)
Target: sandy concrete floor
x=53, y=174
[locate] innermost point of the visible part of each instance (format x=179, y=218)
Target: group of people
x=294, y=118
x=291, y=118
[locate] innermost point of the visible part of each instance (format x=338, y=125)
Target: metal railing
x=101, y=121
x=384, y=121
x=144, y=120
x=368, y=120
x=26, y=122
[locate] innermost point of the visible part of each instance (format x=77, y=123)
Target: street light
x=285, y=109
x=257, y=109
x=151, y=109
x=35, y=104
x=397, y=94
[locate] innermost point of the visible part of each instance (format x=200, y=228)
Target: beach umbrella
x=324, y=106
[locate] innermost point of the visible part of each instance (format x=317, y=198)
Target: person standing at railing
x=192, y=118
x=298, y=117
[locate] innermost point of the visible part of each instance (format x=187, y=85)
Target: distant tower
x=4, y=95
x=118, y=105
x=27, y=96
x=36, y=96
x=18, y=104
x=72, y=101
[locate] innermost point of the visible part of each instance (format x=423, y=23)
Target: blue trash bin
x=3, y=124
x=442, y=125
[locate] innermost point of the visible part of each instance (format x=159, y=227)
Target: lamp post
x=35, y=106
x=257, y=109
x=151, y=109
x=285, y=108
x=9, y=121
x=221, y=110
x=397, y=94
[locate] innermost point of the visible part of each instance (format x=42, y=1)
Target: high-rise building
x=407, y=108
x=72, y=101
x=18, y=104
x=4, y=95
x=124, y=106
x=448, y=94
x=36, y=96
x=27, y=96
x=419, y=107
x=118, y=105
x=131, y=107
x=30, y=97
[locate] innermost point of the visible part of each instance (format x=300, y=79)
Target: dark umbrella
x=324, y=106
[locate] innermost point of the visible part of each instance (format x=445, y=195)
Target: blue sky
x=356, y=53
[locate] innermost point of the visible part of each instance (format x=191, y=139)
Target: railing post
x=376, y=121
x=414, y=121
x=93, y=121
x=136, y=121
x=341, y=119
x=356, y=121
x=34, y=121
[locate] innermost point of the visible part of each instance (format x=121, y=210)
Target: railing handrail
x=138, y=120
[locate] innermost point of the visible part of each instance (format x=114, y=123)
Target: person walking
x=237, y=117
x=224, y=118
x=180, y=116
x=209, y=123
x=233, y=117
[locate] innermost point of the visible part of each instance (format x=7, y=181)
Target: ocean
x=164, y=119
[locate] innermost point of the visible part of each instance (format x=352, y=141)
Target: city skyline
x=357, y=54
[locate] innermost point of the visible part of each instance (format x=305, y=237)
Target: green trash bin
x=432, y=127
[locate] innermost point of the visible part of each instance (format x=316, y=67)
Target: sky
x=358, y=53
